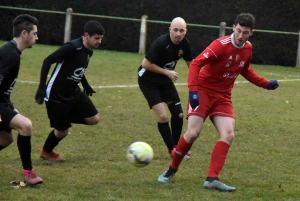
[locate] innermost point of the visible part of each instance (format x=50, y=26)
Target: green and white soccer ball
x=140, y=154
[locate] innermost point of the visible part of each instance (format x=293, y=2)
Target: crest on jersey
x=242, y=63
x=237, y=57
x=180, y=52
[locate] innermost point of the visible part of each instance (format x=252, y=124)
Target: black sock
x=24, y=146
x=1, y=147
x=176, y=126
x=165, y=133
x=211, y=179
x=170, y=172
x=51, y=142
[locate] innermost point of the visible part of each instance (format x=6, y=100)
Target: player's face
x=94, y=41
x=177, y=32
x=241, y=34
x=31, y=37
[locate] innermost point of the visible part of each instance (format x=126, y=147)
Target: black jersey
x=165, y=54
x=71, y=63
x=9, y=69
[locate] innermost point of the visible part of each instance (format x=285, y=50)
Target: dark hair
x=94, y=27
x=23, y=22
x=246, y=20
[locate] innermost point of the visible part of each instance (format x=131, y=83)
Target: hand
x=273, y=84
x=88, y=90
x=194, y=99
x=40, y=95
x=173, y=75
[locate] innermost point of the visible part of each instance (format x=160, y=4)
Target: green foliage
x=262, y=163
x=122, y=35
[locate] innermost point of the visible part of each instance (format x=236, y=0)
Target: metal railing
x=143, y=31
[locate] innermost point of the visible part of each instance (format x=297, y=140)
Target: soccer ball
x=140, y=154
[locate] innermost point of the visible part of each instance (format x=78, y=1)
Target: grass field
x=263, y=162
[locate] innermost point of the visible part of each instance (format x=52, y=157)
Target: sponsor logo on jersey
x=167, y=46
x=170, y=65
x=228, y=75
x=77, y=74
x=79, y=48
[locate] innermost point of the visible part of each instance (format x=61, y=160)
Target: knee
x=61, y=133
x=26, y=127
x=93, y=120
x=228, y=137
x=163, y=118
x=191, y=135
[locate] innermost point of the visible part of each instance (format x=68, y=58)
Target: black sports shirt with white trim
x=71, y=63
x=165, y=54
x=9, y=69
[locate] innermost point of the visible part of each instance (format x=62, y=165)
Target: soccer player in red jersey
x=211, y=78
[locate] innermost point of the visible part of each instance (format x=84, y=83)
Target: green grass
x=263, y=162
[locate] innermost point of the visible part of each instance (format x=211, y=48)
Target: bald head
x=177, y=30
x=178, y=22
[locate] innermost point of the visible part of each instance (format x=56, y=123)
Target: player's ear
x=24, y=33
x=85, y=34
x=251, y=32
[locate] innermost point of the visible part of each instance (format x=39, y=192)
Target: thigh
x=7, y=114
x=169, y=93
x=151, y=92
x=58, y=114
x=222, y=107
x=83, y=108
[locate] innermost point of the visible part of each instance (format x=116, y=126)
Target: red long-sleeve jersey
x=222, y=62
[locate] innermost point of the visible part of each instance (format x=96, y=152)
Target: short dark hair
x=23, y=22
x=94, y=27
x=246, y=20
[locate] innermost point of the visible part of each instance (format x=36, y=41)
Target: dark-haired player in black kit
x=156, y=77
x=25, y=36
x=66, y=103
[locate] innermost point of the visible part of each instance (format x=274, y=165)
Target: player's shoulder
x=248, y=44
x=224, y=40
x=10, y=51
x=76, y=43
x=163, y=39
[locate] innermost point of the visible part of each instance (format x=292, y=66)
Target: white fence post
x=222, y=31
x=68, y=25
x=143, y=35
x=298, y=53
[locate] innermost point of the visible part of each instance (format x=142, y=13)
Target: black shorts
x=61, y=115
x=158, y=92
x=7, y=112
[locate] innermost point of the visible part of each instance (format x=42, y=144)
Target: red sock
x=218, y=157
x=181, y=150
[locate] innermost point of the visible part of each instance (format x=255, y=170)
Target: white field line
x=135, y=85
